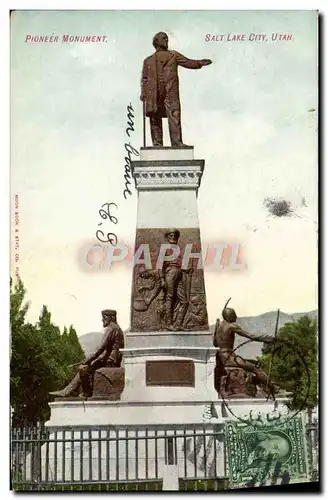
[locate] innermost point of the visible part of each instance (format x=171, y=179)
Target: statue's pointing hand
x=206, y=62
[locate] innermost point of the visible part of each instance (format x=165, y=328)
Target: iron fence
x=113, y=457
x=124, y=458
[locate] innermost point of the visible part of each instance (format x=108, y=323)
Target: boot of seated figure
x=70, y=389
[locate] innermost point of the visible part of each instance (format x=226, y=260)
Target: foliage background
x=293, y=361
x=41, y=356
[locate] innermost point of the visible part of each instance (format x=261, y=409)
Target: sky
x=249, y=116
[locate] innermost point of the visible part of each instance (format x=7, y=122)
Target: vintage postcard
x=164, y=250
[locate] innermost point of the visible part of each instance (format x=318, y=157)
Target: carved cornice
x=138, y=355
x=167, y=163
x=168, y=174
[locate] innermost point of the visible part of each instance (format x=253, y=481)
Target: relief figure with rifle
x=170, y=297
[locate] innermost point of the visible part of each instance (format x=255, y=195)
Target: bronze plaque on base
x=178, y=373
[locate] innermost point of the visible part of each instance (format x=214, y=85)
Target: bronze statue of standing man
x=160, y=89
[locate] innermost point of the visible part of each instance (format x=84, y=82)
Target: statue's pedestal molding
x=168, y=339
x=98, y=412
x=93, y=412
x=167, y=181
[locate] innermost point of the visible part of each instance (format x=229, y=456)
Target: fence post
x=170, y=478
x=310, y=437
x=35, y=437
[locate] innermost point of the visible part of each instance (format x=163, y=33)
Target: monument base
x=98, y=412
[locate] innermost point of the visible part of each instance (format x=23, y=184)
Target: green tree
x=27, y=365
x=18, y=309
x=41, y=359
x=52, y=346
x=74, y=343
x=294, y=362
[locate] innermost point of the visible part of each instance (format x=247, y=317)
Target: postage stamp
x=261, y=453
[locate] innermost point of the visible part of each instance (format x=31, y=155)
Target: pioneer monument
x=168, y=356
x=170, y=366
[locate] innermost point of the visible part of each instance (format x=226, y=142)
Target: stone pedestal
x=169, y=374
x=167, y=181
x=169, y=354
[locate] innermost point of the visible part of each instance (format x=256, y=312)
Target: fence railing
x=114, y=456
x=124, y=458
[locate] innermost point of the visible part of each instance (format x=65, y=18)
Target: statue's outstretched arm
x=257, y=338
x=188, y=63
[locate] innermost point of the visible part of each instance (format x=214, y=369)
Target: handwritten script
x=105, y=213
x=130, y=150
